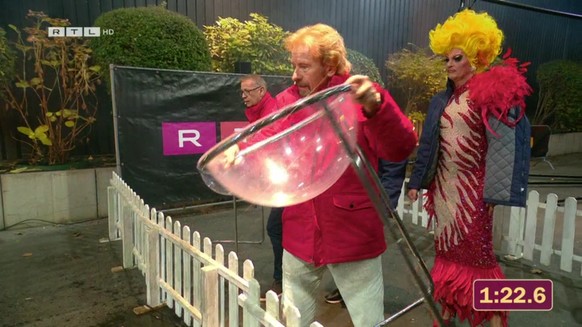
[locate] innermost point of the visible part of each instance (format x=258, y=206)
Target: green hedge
x=151, y=37
x=362, y=65
x=560, y=95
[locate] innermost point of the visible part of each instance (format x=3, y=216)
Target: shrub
x=53, y=91
x=7, y=60
x=415, y=77
x=560, y=95
x=256, y=41
x=364, y=66
x=151, y=37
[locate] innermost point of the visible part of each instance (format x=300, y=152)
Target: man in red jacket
x=260, y=103
x=257, y=99
x=339, y=230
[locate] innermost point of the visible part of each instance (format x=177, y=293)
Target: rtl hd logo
x=78, y=31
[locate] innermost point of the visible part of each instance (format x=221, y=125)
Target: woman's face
x=458, y=67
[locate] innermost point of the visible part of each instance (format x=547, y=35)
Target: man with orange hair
x=339, y=230
x=473, y=154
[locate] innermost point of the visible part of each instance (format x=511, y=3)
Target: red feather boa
x=499, y=89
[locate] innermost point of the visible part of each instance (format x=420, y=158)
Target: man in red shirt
x=256, y=97
x=260, y=103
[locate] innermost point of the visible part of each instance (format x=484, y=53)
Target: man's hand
x=228, y=157
x=365, y=93
x=413, y=194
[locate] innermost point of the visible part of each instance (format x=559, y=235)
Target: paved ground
x=62, y=275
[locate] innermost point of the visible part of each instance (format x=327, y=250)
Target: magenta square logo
x=188, y=138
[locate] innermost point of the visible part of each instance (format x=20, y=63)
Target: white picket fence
x=523, y=230
x=182, y=273
x=524, y=234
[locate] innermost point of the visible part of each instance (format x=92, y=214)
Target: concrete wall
x=565, y=143
x=53, y=196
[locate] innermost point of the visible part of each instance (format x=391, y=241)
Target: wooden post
x=292, y=316
x=515, y=221
x=197, y=278
x=178, y=269
x=112, y=213
x=169, y=263
x=249, y=320
x=127, y=236
x=211, y=308
x=568, y=234
x=549, y=226
x=533, y=203
x=186, y=236
x=153, y=273
x=233, y=292
x=161, y=220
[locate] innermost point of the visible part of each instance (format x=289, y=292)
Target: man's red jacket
x=341, y=224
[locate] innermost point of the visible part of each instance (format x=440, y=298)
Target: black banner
x=166, y=119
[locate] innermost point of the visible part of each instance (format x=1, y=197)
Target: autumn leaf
x=26, y=131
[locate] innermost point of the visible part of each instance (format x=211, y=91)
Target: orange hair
x=324, y=43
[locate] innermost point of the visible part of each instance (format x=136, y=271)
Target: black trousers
x=275, y=232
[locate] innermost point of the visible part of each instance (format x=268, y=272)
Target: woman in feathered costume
x=473, y=154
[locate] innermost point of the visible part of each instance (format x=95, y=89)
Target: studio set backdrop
x=165, y=120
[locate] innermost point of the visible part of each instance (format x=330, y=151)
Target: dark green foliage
x=560, y=95
x=362, y=65
x=151, y=37
x=7, y=60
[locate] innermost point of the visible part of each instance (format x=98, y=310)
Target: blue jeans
x=275, y=232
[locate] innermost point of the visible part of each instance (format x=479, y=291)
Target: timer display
x=513, y=294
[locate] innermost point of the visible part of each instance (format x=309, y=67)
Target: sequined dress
x=463, y=234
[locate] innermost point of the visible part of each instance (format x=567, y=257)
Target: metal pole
x=235, y=224
x=380, y=200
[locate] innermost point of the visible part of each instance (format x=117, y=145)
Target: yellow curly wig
x=324, y=43
x=477, y=35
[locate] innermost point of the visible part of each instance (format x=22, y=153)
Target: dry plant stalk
x=54, y=90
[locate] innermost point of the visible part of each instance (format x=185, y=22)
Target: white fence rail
x=545, y=227
x=180, y=270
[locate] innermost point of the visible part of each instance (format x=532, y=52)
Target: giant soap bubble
x=288, y=157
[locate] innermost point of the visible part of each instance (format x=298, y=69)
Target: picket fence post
x=152, y=253
x=531, y=222
x=568, y=234
x=210, y=281
x=548, y=231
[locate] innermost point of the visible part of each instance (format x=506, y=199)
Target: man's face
x=458, y=67
x=251, y=92
x=309, y=74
